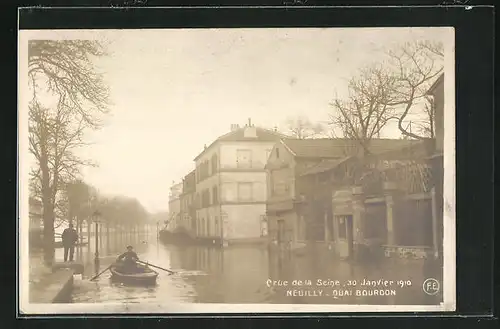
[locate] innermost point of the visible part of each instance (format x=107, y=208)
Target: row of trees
x=82, y=200
x=69, y=98
x=392, y=90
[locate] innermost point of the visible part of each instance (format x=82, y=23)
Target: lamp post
x=96, y=219
x=157, y=230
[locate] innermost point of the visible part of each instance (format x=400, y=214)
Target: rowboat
x=143, y=276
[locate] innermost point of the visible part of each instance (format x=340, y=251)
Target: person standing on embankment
x=69, y=239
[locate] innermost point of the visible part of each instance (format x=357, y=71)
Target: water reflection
x=240, y=274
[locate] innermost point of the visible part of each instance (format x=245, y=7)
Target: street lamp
x=96, y=216
x=157, y=230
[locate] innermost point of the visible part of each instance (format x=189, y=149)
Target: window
x=216, y=225
x=280, y=182
x=342, y=220
x=197, y=201
x=203, y=170
x=205, y=198
x=244, y=158
x=208, y=226
x=281, y=231
x=280, y=188
x=215, y=195
x=300, y=228
x=245, y=191
x=263, y=225
x=214, y=163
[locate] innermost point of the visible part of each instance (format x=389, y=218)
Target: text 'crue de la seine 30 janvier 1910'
x=338, y=283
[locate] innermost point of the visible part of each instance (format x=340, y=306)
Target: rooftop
x=337, y=147
x=325, y=165
x=413, y=150
x=436, y=83
x=241, y=134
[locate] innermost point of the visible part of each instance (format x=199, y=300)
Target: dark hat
x=130, y=247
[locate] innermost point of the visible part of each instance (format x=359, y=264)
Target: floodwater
x=250, y=274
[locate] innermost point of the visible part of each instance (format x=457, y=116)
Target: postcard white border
x=449, y=216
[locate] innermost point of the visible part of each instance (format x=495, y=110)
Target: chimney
x=249, y=122
x=234, y=127
x=250, y=132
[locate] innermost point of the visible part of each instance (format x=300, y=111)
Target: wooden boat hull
x=145, y=278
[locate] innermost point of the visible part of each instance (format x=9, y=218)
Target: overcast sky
x=175, y=90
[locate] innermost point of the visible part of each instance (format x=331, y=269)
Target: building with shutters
x=231, y=185
x=174, y=208
x=187, y=207
x=302, y=176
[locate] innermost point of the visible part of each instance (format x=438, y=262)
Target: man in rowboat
x=128, y=260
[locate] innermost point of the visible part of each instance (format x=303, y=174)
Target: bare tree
x=53, y=140
x=362, y=116
x=302, y=128
x=394, y=89
x=62, y=74
x=79, y=202
x=425, y=126
x=66, y=69
x=414, y=66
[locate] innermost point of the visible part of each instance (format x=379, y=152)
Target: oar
x=95, y=277
x=161, y=268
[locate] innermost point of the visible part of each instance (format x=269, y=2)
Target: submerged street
x=274, y=181
x=251, y=274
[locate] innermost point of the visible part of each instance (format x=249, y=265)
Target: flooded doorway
x=345, y=236
x=350, y=235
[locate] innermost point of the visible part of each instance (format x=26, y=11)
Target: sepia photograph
x=236, y=170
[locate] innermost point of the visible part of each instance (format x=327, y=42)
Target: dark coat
x=69, y=237
x=128, y=256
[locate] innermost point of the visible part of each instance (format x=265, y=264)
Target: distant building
x=174, y=207
x=187, y=209
x=437, y=93
x=231, y=189
x=35, y=213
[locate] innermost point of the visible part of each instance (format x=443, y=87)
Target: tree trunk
x=48, y=233
x=88, y=235
x=48, y=210
x=79, y=232
x=107, y=237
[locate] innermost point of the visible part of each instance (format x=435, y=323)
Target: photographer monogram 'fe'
x=236, y=170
